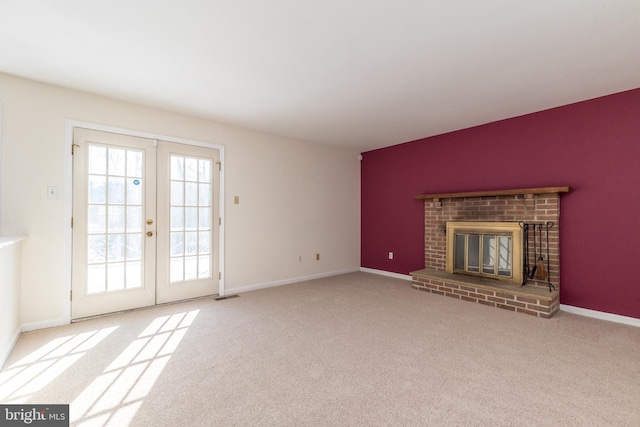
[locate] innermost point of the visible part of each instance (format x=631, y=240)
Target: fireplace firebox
x=485, y=249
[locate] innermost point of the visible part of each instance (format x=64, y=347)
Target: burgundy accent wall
x=591, y=146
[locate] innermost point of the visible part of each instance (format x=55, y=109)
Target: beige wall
x=296, y=198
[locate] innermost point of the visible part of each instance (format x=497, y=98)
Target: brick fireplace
x=536, y=210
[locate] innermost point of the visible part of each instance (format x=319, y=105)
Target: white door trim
x=68, y=200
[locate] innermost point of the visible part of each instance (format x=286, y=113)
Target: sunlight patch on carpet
x=115, y=396
x=35, y=371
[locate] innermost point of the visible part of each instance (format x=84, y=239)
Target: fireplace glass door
x=488, y=255
x=486, y=249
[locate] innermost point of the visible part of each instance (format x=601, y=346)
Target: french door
x=145, y=222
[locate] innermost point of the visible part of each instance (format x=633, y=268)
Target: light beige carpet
x=357, y=350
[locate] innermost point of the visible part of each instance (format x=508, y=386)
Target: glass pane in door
x=473, y=253
x=505, y=256
x=114, y=218
x=459, y=252
x=489, y=254
x=190, y=219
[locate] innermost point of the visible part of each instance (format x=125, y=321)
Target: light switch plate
x=52, y=192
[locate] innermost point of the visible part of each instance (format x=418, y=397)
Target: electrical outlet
x=390, y=255
x=236, y=200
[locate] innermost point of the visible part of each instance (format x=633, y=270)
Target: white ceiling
x=364, y=74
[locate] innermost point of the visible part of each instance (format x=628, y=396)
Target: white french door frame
x=68, y=197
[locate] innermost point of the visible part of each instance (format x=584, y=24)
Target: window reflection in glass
x=488, y=254
x=495, y=252
x=505, y=256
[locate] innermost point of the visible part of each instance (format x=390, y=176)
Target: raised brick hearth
x=528, y=299
x=537, y=205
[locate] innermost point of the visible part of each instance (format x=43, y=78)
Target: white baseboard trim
x=7, y=351
x=386, y=273
x=632, y=321
x=248, y=288
x=42, y=325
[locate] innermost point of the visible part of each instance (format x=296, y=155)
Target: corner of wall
x=9, y=348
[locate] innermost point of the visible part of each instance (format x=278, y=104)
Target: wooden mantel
x=539, y=190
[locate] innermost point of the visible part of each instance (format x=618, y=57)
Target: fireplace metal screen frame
x=511, y=229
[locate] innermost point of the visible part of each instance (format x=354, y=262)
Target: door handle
x=149, y=221
x=149, y=233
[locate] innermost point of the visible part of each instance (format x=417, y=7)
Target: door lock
x=149, y=221
x=149, y=233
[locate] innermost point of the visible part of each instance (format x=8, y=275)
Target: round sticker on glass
x=136, y=182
